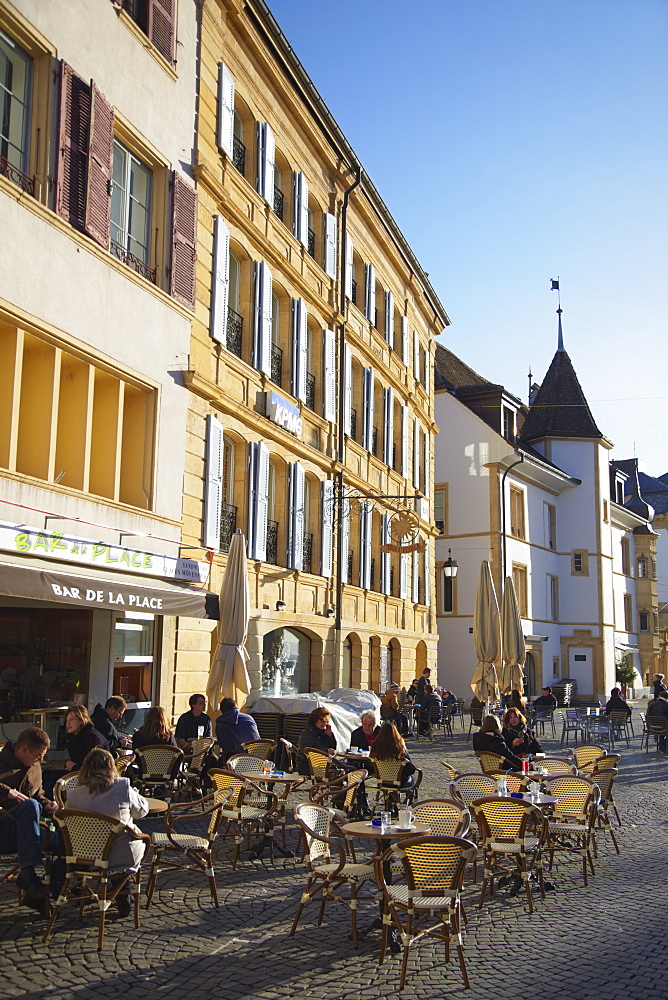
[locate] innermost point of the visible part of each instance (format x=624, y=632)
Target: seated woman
x=317, y=735
x=81, y=737
x=616, y=703
x=389, y=745
x=518, y=738
x=100, y=790
x=156, y=730
x=489, y=738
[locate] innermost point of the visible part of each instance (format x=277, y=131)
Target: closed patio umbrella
x=514, y=650
x=486, y=637
x=228, y=676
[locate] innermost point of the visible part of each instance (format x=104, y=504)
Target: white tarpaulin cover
x=345, y=705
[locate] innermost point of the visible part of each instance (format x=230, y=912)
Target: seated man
x=450, y=701
x=389, y=709
x=362, y=738
x=103, y=720
x=23, y=802
x=234, y=727
x=547, y=702
x=190, y=723
x=656, y=710
x=430, y=702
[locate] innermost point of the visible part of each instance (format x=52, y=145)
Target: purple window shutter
x=161, y=26
x=184, y=218
x=98, y=190
x=73, y=141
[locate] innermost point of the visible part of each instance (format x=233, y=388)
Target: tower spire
x=560, y=335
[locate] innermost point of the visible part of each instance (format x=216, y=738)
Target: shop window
x=286, y=663
x=133, y=657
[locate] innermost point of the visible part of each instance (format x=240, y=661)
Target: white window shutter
x=225, y=110
x=348, y=390
x=266, y=156
x=389, y=318
x=416, y=454
x=370, y=294
x=416, y=355
x=427, y=578
x=349, y=267
x=299, y=348
x=385, y=557
x=403, y=575
x=428, y=372
x=404, y=440
x=388, y=440
x=345, y=531
x=427, y=469
x=330, y=244
x=221, y=280
x=327, y=533
x=416, y=578
x=296, y=516
x=366, y=542
x=263, y=307
x=258, y=495
x=213, y=483
x=367, y=439
x=405, y=341
x=329, y=350
x=301, y=208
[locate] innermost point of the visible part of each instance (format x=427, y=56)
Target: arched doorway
x=529, y=676
x=286, y=663
x=394, y=661
x=352, y=654
x=421, y=658
x=374, y=663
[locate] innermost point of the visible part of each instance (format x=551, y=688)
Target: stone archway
x=352, y=658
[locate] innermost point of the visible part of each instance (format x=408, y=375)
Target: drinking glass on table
x=385, y=821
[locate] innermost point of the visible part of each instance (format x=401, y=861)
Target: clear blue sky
x=516, y=142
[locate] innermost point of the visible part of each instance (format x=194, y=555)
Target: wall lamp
x=329, y=612
x=450, y=566
x=280, y=605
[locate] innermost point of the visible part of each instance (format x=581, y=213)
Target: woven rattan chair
x=586, y=753
x=340, y=794
x=248, y=809
x=554, y=765
x=179, y=848
x=123, y=763
x=573, y=817
x=317, y=765
x=159, y=769
x=88, y=838
x=476, y=719
x=327, y=877
x=194, y=763
x=490, y=761
x=263, y=749
x=444, y=817
x=469, y=787
x=605, y=779
x=429, y=889
x=62, y=787
x=512, y=833
x=515, y=782
x=605, y=760
x=389, y=774
x=244, y=764
x=450, y=768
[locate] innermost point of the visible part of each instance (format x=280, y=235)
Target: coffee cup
x=405, y=818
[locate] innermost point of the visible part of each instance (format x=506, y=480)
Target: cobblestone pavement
x=606, y=940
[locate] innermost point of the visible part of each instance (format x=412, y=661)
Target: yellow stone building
x=311, y=381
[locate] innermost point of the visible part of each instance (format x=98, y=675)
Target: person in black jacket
x=489, y=738
x=362, y=738
x=317, y=735
x=546, y=702
x=104, y=718
x=518, y=738
x=616, y=703
x=81, y=737
x=659, y=686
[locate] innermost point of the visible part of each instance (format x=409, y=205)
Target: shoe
x=124, y=904
x=31, y=884
x=38, y=903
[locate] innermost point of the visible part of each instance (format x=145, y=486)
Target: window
x=156, y=19
x=239, y=149
x=517, y=512
x=508, y=424
x=520, y=584
x=642, y=568
x=626, y=557
x=276, y=350
x=279, y=200
x=628, y=613
x=556, y=667
x=228, y=511
x=131, y=190
x=440, y=502
x=550, y=525
x=579, y=562
x=605, y=511
x=15, y=94
x=552, y=598
x=643, y=620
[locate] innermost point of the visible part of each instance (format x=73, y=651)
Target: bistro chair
x=329, y=869
x=467, y=788
x=570, y=723
x=450, y=769
x=656, y=729
x=620, y=727
x=249, y=808
x=605, y=779
x=249, y=766
x=444, y=817
x=62, y=787
x=512, y=834
x=263, y=749
x=195, y=762
x=178, y=848
x=490, y=761
x=573, y=817
x=515, y=782
x=554, y=765
x=460, y=711
x=88, y=838
x=159, y=769
x=606, y=760
x=586, y=753
x=9, y=858
x=426, y=901
x=476, y=718
x=340, y=794
x=123, y=763
x=389, y=774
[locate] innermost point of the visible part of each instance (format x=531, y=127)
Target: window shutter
x=427, y=373
x=184, y=221
x=330, y=244
x=161, y=26
x=301, y=208
x=416, y=578
x=221, y=280
x=367, y=440
x=73, y=142
x=349, y=267
x=329, y=407
x=405, y=342
x=370, y=294
x=296, y=516
x=345, y=531
x=403, y=575
x=266, y=155
x=327, y=534
x=416, y=355
x=416, y=454
x=225, y=110
x=213, y=483
x=427, y=576
x=389, y=318
x=263, y=292
x=98, y=188
x=385, y=557
x=404, y=441
x=366, y=528
x=348, y=390
x=427, y=468
x=388, y=441
x=299, y=348
x=258, y=501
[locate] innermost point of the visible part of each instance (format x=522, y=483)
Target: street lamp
x=450, y=566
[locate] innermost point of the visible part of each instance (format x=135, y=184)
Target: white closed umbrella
x=228, y=676
x=486, y=637
x=514, y=648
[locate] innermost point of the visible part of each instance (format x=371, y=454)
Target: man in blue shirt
x=234, y=727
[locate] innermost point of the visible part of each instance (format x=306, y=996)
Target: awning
x=38, y=580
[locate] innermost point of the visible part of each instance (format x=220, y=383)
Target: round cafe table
x=156, y=806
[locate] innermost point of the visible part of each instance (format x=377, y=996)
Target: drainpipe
x=503, y=515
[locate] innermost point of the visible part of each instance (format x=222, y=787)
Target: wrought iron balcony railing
x=276, y=364
x=239, y=155
x=278, y=202
x=272, y=542
x=235, y=325
x=228, y=525
x=17, y=176
x=310, y=246
x=392, y=581
x=353, y=423
x=308, y=552
x=350, y=567
x=310, y=391
x=374, y=442
x=354, y=295
x=372, y=575
x=132, y=261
